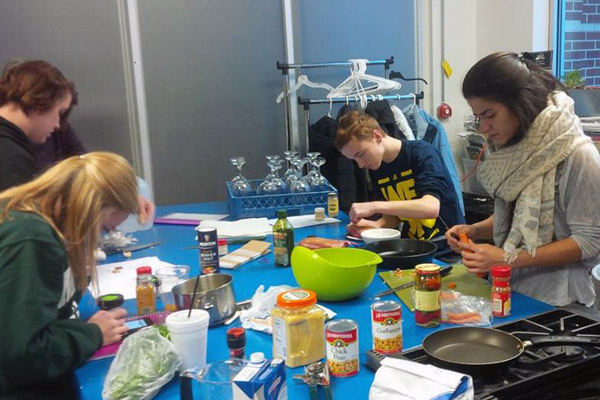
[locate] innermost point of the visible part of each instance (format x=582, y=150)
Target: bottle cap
x=296, y=298
x=110, y=301
x=144, y=270
x=501, y=271
x=221, y=242
x=257, y=357
x=281, y=213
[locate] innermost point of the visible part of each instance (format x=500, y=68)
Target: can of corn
x=342, y=347
x=386, y=325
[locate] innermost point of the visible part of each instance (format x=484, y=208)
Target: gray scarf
x=523, y=175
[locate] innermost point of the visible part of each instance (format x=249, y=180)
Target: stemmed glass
x=318, y=181
x=289, y=155
x=312, y=155
x=269, y=185
x=239, y=185
x=298, y=184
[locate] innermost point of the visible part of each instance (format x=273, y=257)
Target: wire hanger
x=395, y=74
x=360, y=83
x=303, y=81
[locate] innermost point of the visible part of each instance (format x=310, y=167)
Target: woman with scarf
x=544, y=175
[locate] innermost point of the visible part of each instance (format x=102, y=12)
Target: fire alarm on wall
x=444, y=111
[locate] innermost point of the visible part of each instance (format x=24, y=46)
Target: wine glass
x=318, y=181
x=239, y=185
x=297, y=184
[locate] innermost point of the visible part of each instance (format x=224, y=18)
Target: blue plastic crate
x=267, y=205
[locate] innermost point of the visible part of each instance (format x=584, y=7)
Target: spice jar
x=428, y=283
x=501, y=290
x=236, y=342
x=333, y=205
x=298, y=328
x=223, y=249
x=145, y=291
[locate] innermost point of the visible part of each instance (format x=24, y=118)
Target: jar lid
x=144, y=270
x=319, y=209
x=296, y=298
x=110, y=301
x=427, y=269
x=501, y=271
x=221, y=242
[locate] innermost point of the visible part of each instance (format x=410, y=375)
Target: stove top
x=557, y=372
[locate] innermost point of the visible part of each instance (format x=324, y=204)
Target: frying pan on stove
x=403, y=253
x=477, y=350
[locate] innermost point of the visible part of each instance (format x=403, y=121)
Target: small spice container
x=298, y=328
x=236, y=342
x=145, y=291
x=319, y=214
x=333, y=205
x=342, y=347
x=386, y=325
x=222, y=244
x=501, y=292
x=428, y=284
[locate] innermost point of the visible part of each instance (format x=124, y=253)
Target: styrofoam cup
x=189, y=335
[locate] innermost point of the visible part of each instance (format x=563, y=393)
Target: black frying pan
x=403, y=253
x=476, y=350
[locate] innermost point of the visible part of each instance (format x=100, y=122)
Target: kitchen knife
x=443, y=272
x=135, y=247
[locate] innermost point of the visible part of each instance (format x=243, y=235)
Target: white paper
x=195, y=217
x=120, y=277
x=301, y=221
x=243, y=227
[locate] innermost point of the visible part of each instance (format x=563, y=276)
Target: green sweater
x=40, y=344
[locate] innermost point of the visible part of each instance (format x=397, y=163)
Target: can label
x=208, y=250
x=342, y=348
x=386, y=325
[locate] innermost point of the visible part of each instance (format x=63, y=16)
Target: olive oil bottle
x=283, y=239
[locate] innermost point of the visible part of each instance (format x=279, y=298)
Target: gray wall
x=80, y=37
x=211, y=85
x=210, y=75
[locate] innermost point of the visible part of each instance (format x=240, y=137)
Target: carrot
x=476, y=318
x=446, y=295
x=461, y=315
x=451, y=285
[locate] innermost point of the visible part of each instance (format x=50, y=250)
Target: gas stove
x=558, y=372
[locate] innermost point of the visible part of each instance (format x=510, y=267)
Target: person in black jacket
x=33, y=97
x=35, y=101
x=409, y=178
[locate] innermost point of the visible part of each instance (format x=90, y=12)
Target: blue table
x=247, y=278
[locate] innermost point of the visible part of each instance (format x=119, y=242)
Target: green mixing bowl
x=334, y=274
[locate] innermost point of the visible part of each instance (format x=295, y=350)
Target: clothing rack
x=306, y=103
x=285, y=68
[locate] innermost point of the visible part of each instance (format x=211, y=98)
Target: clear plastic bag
x=461, y=309
x=144, y=363
x=258, y=316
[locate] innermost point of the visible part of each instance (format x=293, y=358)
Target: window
x=578, y=39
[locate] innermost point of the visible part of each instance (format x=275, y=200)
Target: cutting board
x=466, y=283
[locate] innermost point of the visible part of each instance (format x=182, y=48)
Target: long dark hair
x=515, y=81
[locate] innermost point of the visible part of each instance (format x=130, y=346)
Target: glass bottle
x=145, y=291
x=501, y=291
x=333, y=205
x=283, y=240
x=298, y=328
x=428, y=284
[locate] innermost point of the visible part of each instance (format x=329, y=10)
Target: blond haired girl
x=49, y=229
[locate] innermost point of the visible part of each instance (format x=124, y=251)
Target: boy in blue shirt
x=411, y=183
